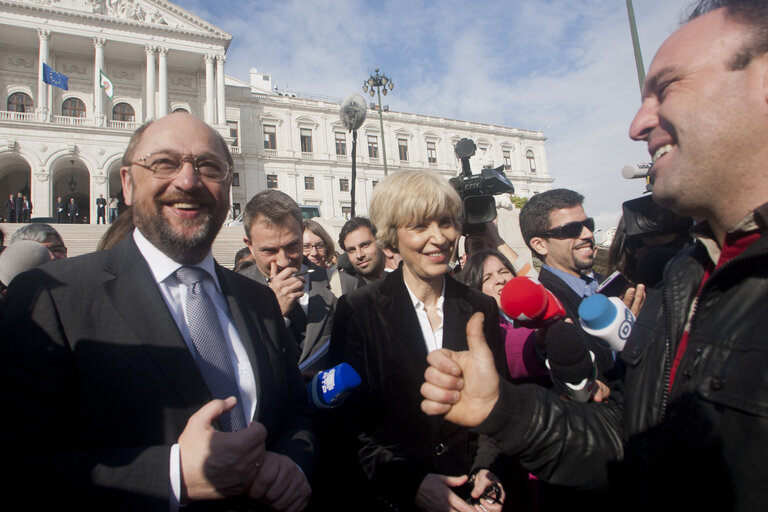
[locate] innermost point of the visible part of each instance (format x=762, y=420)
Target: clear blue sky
x=561, y=66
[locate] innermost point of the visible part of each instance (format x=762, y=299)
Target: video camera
x=477, y=190
x=642, y=216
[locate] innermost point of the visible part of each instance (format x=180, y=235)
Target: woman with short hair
x=385, y=330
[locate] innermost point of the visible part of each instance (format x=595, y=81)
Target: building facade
x=160, y=58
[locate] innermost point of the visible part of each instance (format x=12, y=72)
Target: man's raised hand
x=463, y=386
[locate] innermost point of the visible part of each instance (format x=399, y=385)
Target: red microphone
x=526, y=301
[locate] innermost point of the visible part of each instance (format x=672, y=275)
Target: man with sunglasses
x=560, y=234
x=148, y=377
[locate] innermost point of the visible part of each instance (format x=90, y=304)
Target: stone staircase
x=83, y=238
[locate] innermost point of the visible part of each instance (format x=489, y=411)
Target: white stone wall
x=165, y=58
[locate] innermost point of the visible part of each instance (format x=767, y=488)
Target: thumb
x=476, y=337
x=272, y=269
x=208, y=413
x=453, y=481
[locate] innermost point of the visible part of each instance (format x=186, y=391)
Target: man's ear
x=540, y=246
x=127, y=180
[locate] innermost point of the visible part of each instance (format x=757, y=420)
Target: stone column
x=150, y=51
x=162, y=75
x=98, y=94
x=42, y=91
x=210, y=105
x=220, y=101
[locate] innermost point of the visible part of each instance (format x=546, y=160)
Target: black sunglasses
x=570, y=230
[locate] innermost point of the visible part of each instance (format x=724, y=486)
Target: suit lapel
x=137, y=299
x=251, y=330
x=321, y=301
x=396, y=310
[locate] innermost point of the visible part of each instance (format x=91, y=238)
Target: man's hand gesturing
x=218, y=464
x=287, y=289
x=464, y=386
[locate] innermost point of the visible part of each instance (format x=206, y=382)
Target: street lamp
x=381, y=83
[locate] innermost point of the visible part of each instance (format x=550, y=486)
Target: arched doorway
x=15, y=177
x=71, y=179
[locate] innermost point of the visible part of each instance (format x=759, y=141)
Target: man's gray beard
x=187, y=251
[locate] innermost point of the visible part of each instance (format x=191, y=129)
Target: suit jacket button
x=716, y=383
x=439, y=449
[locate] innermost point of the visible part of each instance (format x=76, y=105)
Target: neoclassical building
x=161, y=58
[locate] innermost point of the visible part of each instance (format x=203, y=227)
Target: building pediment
x=156, y=13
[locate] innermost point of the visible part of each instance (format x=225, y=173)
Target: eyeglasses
x=167, y=165
x=319, y=247
x=570, y=230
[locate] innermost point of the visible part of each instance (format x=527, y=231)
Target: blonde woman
x=385, y=330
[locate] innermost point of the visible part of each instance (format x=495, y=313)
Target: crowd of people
x=145, y=376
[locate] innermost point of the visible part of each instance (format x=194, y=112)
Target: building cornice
x=207, y=31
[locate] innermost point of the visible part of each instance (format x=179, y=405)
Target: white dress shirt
x=174, y=292
x=432, y=338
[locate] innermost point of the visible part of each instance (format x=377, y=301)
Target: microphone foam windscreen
x=568, y=356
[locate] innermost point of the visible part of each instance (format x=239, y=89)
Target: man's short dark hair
x=354, y=224
x=753, y=14
x=534, y=217
x=270, y=206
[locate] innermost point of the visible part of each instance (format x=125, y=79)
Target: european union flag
x=54, y=78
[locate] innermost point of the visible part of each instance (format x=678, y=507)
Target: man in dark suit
x=61, y=208
x=133, y=373
x=73, y=210
x=10, y=209
x=19, y=206
x=560, y=234
x=274, y=235
x=101, y=210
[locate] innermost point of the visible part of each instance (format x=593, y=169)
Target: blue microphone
x=608, y=319
x=329, y=388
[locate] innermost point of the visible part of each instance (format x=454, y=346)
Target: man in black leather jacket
x=691, y=429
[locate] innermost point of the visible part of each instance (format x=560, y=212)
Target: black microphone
x=571, y=366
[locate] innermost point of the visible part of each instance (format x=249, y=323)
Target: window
x=402, y=147
x=233, y=131
x=346, y=211
x=375, y=182
x=344, y=185
x=373, y=146
x=73, y=107
x=531, y=160
x=306, y=140
x=123, y=112
x=309, y=183
x=235, y=209
x=431, y=152
x=271, y=180
x=270, y=137
x=20, y=102
x=236, y=179
x=341, y=143
x=507, y=160
x=180, y=109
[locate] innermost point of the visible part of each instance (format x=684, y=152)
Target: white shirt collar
x=417, y=304
x=162, y=266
